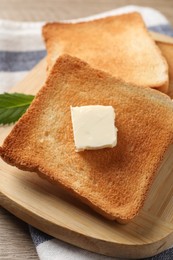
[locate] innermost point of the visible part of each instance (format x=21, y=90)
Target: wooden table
x=15, y=241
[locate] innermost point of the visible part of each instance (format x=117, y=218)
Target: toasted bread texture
x=167, y=51
x=113, y=181
x=119, y=45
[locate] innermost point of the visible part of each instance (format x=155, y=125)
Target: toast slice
x=113, y=181
x=167, y=51
x=119, y=45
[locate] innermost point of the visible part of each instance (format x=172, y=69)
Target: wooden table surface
x=15, y=241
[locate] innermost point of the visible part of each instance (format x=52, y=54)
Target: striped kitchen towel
x=21, y=48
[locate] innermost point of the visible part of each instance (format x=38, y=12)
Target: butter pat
x=93, y=127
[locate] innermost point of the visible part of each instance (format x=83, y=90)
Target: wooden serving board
x=53, y=211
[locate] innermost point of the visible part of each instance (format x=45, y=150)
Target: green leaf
x=13, y=106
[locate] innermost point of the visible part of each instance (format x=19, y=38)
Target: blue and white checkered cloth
x=21, y=48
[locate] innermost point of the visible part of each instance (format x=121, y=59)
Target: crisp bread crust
x=119, y=45
x=113, y=181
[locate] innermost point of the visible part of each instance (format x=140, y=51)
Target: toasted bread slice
x=119, y=45
x=113, y=181
x=167, y=51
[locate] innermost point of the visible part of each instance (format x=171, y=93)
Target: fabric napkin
x=21, y=48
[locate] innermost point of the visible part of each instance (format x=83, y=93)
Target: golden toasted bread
x=167, y=51
x=113, y=181
x=119, y=45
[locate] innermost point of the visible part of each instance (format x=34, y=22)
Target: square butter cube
x=93, y=127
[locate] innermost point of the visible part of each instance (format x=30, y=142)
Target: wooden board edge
x=158, y=37
x=80, y=240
